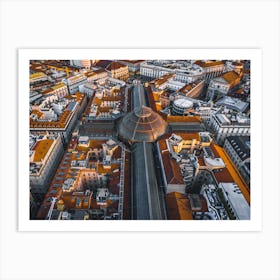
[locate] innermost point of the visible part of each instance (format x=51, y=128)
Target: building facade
x=60, y=90
x=66, y=121
x=220, y=86
x=238, y=149
x=45, y=153
x=133, y=65
x=118, y=71
x=154, y=71
x=84, y=63
x=211, y=68
x=193, y=90
x=223, y=127
x=74, y=82
x=189, y=74
x=99, y=76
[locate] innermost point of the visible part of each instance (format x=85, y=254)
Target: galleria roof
x=142, y=125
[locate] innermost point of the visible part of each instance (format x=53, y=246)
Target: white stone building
x=189, y=74
x=44, y=155
x=211, y=68
x=238, y=149
x=154, y=71
x=85, y=63
x=229, y=125
x=74, y=82
x=60, y=90
x=99, y=76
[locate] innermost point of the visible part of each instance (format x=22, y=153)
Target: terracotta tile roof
x=208, y=63
x=102, y=170
x=162, y=79
x=42, y=149
x=37, y=75
x=104, y=109
x=35, y=67
x=246, y=71
x=65, y=171
x=117, y=153
x=214, y=149
x=115, y=65
x=99, y=71
x=63, y=118
x=156, y=97
x=201, y=161
x=151, y=99
x=59, y=85
x=224, y=176
x=237, y=63
x=178, y=207
x=93, y=204
x=162, y=144
x=186, y=88
x=171, y=119
x=47, y=91
x=114, y=181
x=38, y=113
x=190, y=86
x=231, y=77
x=103, y=63
x=95, y=72
x=133, y=61
x=90, y=74
x=70, y=200
x=60, y=123
x=164, y=94
x=112, y=206
x=95, y=144
x=158, y=106
x=184, y=135
x=73, y=143
x=172, y=170
x=230, y=173
x=79, y=96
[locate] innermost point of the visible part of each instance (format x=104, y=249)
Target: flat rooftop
x=237, y=200
x=42, y=149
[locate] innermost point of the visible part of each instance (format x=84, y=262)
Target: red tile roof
x=231, y=77
x=230, y=173
x=178, y=207
x=133, y=61
x=185, y=135
x=115, y=65
x=162, y=144
x=208, y=63
x=103, y=63
x=171, y=119
x=114, y=181
x=172, y=170
x=201, y=161
x=99, y=71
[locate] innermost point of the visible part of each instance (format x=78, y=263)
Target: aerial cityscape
x=139, y=139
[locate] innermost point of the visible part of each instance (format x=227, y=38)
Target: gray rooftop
x=240, y=206
x=241, y=145
x=148, y=203
x=142, y=125
x=233, y=103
